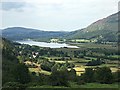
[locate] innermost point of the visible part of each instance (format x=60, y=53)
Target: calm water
x=45, y=44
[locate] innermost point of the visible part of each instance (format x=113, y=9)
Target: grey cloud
x=12, y=5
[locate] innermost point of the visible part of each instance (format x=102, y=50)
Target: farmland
x=64, y=67
x=79, y=66
x=76, y=57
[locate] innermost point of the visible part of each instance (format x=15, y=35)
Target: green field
x=87, y=85
x=93, y=45
x=79, y=66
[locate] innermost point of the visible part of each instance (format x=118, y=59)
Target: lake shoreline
x=46, y=44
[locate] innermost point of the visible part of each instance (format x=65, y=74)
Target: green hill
x=105, y=29
x=21, y=33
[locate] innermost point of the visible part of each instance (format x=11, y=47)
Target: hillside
x=14, y=74
x=19, y=33
x=9, y=61
x=105, y=29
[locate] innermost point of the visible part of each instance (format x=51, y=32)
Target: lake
x=45, y=44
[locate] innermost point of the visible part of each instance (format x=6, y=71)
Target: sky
x=54, y=15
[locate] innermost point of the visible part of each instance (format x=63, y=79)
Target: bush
x=46, y=65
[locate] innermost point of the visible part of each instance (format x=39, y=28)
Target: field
x=76, y=58
x=80, y=63
x=79, y=66
x=37, y=70
x=93, y=45
x=73, y=85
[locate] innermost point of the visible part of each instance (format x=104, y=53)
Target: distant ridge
x=20, y=33
x=105, y=29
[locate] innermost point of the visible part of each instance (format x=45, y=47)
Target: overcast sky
x=55, y=15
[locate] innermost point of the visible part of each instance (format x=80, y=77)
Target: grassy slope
x=107, y=28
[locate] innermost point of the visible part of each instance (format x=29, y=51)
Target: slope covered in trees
x=13, y=72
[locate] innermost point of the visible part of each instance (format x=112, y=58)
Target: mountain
x=20, y=33
x=105, y=29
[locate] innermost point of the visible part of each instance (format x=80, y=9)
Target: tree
x=72, y=75
x=63, y=68
x=88, y=76
x=103, y=75
x=116, y=76
x=95, y=62
x=47, y=65
x=60, y=77
x=55, y=68
x=21, y=74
